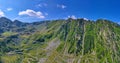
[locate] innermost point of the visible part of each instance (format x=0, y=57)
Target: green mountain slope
x=62, y=41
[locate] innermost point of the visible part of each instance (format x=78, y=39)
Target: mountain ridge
x=61, y=41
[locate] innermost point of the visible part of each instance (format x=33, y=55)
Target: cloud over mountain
x=1, y=13
x=72, y=16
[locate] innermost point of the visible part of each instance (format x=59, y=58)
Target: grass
x=10, y=59
x=7, y=34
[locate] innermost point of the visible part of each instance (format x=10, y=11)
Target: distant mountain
x=59, y=41
x=18, y=23
x=4, y=22
x=6, y=25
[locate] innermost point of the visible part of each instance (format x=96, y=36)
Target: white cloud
x=1, y=13
x=9, y=9
x=61, y=6
x=32, y=13
x=85, y=19
x=42, y=5
x=39, y=5
x=73, y=17
x=46, y=14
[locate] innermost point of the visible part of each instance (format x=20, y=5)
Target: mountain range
x=59, y=41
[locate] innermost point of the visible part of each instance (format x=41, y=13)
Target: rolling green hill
x=59, y=41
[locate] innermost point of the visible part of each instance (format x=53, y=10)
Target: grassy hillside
x=63, y=41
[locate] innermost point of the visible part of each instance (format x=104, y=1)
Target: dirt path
x=83, y=38
x=51, y=47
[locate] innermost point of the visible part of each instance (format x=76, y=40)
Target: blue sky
x=37, y=10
